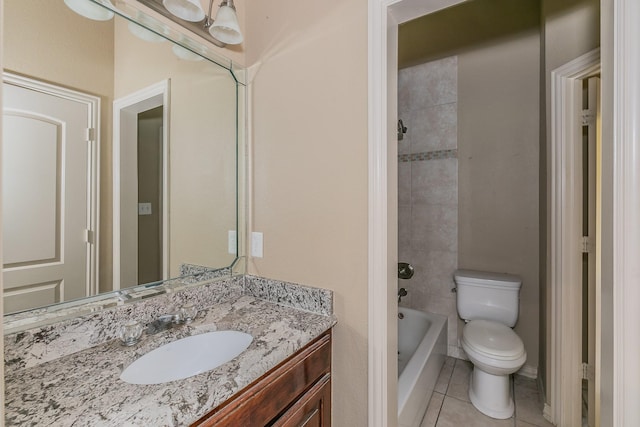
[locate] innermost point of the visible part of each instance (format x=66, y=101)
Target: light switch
x=232, y=242
x=256, y=244
x=144, y=208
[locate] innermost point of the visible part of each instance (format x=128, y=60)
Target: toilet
x=488, y=303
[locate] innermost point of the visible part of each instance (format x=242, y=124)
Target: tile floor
x=450, y=406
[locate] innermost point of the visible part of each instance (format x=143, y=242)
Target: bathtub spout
x=402, y=292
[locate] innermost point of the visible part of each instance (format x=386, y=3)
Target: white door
x=46, y=184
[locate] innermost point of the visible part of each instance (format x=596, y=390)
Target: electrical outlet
x=144, y=208
x=256, y=244
x=232, y=243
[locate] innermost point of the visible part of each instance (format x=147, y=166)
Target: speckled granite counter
x=83, y=388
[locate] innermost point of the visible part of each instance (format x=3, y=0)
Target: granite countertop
x=84, y=389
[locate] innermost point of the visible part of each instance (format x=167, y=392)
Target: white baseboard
x=542, y=397
x=528, y=371
x=457, y=352
x=546, y=413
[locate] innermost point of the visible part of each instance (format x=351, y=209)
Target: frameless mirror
x=120, y=153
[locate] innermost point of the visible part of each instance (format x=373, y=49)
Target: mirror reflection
x=119, y=156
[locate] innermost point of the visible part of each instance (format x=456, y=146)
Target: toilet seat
x=492, y=340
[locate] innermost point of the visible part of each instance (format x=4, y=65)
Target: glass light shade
x=89, y=10
x=144, y=34
x=185, y=54
x=225, y=27
x=189, y=10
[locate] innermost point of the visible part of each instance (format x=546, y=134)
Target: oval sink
x=186, y=357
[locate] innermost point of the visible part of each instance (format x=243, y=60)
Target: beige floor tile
x=459, y=383
x=520, y=423
x=456, y=413
x=433, y=410
x=445, y=375
x=528, y=405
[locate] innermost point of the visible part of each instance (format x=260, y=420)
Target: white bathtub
x=422, y=349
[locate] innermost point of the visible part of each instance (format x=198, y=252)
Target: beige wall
x=571, y=28
x=309, y=176
x=35, y=46
x=498, y=173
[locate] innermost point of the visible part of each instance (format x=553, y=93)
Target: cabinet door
x=313, y=409
x=281, y=391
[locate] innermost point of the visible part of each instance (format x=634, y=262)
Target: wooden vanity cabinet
x=295, y=393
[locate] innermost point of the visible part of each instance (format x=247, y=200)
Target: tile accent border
x=428, y=155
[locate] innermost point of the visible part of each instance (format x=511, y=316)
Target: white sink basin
x=186, y=357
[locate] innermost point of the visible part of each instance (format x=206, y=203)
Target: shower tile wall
x=428, y=188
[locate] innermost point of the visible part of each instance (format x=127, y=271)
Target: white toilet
x=488, y=303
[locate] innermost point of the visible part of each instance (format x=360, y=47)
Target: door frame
x=142, y=100
x=621, y=234
x=383, y=19
x=621, y=298
x=93, y=164
x=564, y=251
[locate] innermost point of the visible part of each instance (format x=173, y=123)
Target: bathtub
x=422, y=349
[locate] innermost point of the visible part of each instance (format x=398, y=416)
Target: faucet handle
x=402, y=292
x=130, y=333
x=188, y=312
x=169, y=318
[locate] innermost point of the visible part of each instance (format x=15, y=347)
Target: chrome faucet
x=164, y=322
x=402, y=292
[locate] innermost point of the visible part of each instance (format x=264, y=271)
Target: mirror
x=120, y=153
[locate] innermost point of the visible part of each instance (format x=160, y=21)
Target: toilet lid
x=493, y=339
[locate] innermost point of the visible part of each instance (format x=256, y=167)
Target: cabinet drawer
x=313, y=409
x=275, y=392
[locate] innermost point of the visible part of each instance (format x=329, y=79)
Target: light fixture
x=90, y=10
x=147, y=29
x=144, y=34
x=189, y=10
x=223, y=30
x=192, y=17
x=225, y=27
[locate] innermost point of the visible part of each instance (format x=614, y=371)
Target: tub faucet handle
x=402, y=292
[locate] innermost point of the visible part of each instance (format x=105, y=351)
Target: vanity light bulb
x=225, y=27
x=90, y=10
x=189, y=10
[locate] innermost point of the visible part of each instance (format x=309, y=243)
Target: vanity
x=155, y=135
x=296, y=393
x=283, y=378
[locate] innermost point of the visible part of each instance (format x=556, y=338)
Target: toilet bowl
x=488, y=302
x=496, y=352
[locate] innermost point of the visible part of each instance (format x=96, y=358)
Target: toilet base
x=491, y=394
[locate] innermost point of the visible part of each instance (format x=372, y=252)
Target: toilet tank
x=487, y=296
